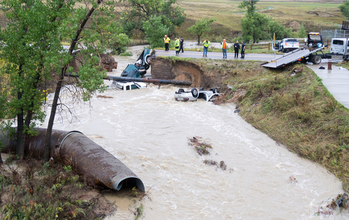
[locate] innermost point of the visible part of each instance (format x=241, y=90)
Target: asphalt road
x=216, y=55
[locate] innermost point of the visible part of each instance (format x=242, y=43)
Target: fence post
x=250, y=46
x=269, y=46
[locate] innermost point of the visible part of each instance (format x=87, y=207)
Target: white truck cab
x=339, y=46
x=128, y=85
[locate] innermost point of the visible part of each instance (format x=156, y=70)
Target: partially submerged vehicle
x=127, y=85
x=140, y=67
x=194, y=94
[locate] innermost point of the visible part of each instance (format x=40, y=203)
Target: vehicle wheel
x=147, y=59
x=195, y=93
x=316, y=59
x=214, y=90
x=180, y=90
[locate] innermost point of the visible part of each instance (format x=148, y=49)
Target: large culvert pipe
x=82, y=154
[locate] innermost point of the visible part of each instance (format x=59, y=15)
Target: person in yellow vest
x=224, y=48
x=167, y=42
x=206, y=44
x=177, y=46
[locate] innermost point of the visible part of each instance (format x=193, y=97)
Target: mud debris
x=340, y=203
x=201, y=147
x=293, y=179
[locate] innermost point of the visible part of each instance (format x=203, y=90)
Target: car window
x=291, y=40
x=338, y=42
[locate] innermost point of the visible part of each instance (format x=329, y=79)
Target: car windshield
x=315, y=37
x=338, y=42
x=291, y=40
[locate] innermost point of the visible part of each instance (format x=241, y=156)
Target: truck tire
x=195, y=93
x=316, y=59
x=147, y=59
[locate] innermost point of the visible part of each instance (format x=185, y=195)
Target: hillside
x=315, y=15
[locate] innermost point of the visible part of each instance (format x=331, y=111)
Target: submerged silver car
x=194, y=94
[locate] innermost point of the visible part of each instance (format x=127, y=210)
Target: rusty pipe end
x=130, y=181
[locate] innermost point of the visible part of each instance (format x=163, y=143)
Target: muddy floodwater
x=148, y=131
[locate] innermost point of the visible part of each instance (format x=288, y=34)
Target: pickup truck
x=127, y=85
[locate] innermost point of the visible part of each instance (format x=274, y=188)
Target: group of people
x=236, y=49
x=178, y=44
x=224, y=45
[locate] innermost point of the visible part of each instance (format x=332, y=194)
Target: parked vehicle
x=194, y=94
x=127, y=85
x=140, y=67
x=288, y=44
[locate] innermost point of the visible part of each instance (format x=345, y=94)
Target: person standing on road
x=167, y=42
x=236, y=49
x=243, y=47
x=224, y=48
x=177, y=43
x=206, y=44
x=181, y=41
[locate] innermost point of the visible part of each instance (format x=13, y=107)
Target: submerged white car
x=195, y=94
x=127, y=85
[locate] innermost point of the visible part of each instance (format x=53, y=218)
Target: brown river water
x=148, y=131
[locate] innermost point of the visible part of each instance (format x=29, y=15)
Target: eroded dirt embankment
x=185, y=70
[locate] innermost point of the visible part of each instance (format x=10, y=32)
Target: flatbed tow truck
x=312, y=52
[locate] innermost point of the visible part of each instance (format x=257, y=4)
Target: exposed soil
x=183, y=70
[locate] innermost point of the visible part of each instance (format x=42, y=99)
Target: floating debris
x=104, y=96
x=222, y=165
x=327, y=208
x=200, y=146
x=210, y=162
x=293, y=179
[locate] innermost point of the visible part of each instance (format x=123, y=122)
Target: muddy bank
x=183, y=70
x=205, y=73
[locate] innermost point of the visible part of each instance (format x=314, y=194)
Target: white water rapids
x=148, y=131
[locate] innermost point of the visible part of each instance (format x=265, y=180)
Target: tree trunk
x=59, y=85
x=51, y=120
x=199, y=39
x=20, y=124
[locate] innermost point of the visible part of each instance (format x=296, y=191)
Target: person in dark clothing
x=243, y=47
x=236, y=49
x=181, y=41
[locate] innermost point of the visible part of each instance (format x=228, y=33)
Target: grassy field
x=314, y=15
